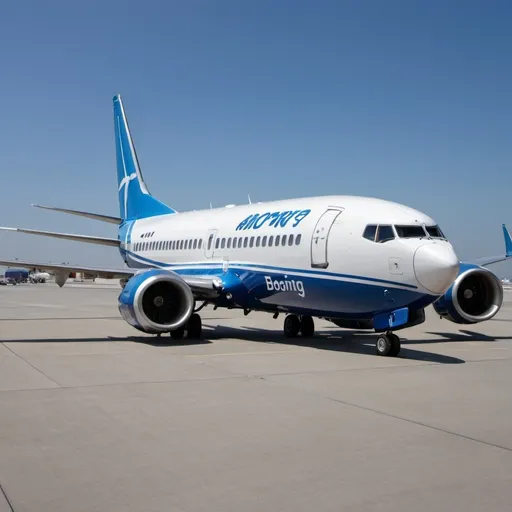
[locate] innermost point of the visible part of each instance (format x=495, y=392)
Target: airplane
x=359, y=262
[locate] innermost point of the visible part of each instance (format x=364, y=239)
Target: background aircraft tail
x=508, y=242
x=135, y=201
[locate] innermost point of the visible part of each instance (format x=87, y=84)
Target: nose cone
x=436, y=266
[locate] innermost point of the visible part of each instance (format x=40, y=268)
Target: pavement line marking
x=30, y=364
x=7, y=500
x=419, y=423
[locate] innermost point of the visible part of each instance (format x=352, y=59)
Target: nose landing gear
x=388, y=344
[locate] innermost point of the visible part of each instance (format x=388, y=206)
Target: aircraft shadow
x=163, y=341
x=347, y=341
x=355, y=342
x=462, y=335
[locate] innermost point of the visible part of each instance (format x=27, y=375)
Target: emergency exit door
x=320, y=239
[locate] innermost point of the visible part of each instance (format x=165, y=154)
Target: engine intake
x=475, y=296
x=156, y=301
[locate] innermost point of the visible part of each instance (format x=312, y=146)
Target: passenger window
x=223, y=243
x=385, y=233
x=195, y=243
x=283, y=240
x=251, y=241
x=264, y=241
x=181, y=245
x=278, y=238
x=290, y=240
x=186, y=245
x=229, y=243
x=240, y=240
x=200, y=243
x=217, y=242
x=234, y=243
x=270, y=241
x=258, y=241
x=246, y=241
x=369, y=232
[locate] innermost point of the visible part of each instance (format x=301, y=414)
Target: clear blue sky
x=408, y=101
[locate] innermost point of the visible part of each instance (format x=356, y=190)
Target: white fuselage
x=307, y=253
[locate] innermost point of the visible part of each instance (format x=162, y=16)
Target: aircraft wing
x=203, y=287
x=508, y=250
x=107, y=273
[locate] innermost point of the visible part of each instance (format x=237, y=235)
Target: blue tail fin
x=508, y=242
x=135, y=201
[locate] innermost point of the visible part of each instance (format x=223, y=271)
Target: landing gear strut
x=293, y=326
x=193, y=329
x=388, y=344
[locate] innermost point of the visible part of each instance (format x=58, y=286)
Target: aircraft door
x=319, y=241
x=209, y=243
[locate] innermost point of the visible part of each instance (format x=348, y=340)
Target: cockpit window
x=434, y=231
x=414, y=231
x=369, y=232
x=385, y=233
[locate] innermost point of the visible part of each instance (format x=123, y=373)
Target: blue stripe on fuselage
x=243, y=265
x=325, y=294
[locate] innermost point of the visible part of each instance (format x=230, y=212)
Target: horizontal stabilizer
x=67, y=236
x=96, y=216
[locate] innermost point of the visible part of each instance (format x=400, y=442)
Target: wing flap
x=68, y=236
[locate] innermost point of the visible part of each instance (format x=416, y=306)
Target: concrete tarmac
x=96, y=416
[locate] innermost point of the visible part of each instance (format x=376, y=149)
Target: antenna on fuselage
x=249, y=197
x=211, y=207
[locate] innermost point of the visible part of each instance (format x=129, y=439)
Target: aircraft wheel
x=178, y=334
x=194, y=327
x=291, y=326
x=307, y=327
x=388, y=345
x=395, y=345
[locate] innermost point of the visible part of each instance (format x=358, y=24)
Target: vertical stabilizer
x=135, y=201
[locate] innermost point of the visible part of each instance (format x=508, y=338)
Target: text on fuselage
x=285, y=285
x=273, y=219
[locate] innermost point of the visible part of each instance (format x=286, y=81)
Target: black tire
x=383, y=345
x=307, y=327
x=178, y=334
x=194, y=327
x=291, y=326
x=395, y=345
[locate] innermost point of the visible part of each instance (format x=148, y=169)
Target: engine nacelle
x=156, y=301
x=475, y=296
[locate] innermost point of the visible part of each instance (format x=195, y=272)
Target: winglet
x=508, y=242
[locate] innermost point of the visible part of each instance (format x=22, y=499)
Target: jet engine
x=156, y=301
x=476, y=295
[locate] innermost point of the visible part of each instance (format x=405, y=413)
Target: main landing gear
x=193, y=329
x=388, y=344
x=293, y=325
